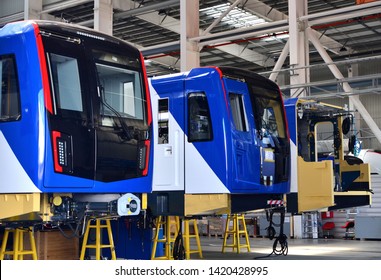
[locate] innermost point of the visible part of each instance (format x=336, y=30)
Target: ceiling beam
x=347, y=88
x=142, y=9
x=62, y=5
x=265, y=11
x=343, y=13
x=173, y=25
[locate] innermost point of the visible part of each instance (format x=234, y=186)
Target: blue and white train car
x=75, y=118
x=221, y=142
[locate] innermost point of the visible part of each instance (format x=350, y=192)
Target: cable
x=75, y=232
x=280, y=240
x=280, y=245
x=178, y=246
x=271, y=232
x=283, y=249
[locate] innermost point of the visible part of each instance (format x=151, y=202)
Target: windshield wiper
x=126, y=129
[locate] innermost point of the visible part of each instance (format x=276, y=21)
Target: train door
x=246, y=170
x=120, y=111
x=205, y=146
x=169, y=142
x=71, y=128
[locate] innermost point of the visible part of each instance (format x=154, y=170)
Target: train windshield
x=268, y=112
x=121, y=84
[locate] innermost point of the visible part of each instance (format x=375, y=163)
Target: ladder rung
x=165, y=223
x=20, y=253
x=194, y=251
x=18, y=236
x=236, y=232
x=101, y=226
x=9, y=252
x=101, y=246
x=98, y=226
x=161, y=240
x=236, y=245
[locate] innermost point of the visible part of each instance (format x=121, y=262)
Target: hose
x=280, y=245
x=178, y=247
x=281, y=240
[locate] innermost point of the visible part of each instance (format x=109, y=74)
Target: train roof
x=59, y=28
x=231, y=72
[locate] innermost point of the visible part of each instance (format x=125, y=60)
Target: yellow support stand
x=18, y=251
x=98, y=246
x=236, y=232
x=169, y=237
x=187, y=237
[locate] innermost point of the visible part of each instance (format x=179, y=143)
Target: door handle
x=168, y=151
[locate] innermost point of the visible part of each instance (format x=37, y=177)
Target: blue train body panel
x=290, y=106
x=87, y=141
x=291, y=111
x=21, y=139
x=205, y=122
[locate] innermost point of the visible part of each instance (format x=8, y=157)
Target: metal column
x=299, y=51
x=189, y=21
x=103, y=16
x=32, y=9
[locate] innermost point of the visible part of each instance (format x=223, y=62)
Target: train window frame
x=195, y=116
x=64, y=101
x=123, y=108
x=262, y=100
x=12, y=98
x=163, y=121
x=237, y=107
x=273, y=119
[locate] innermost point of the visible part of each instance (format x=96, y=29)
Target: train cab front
x=99, y=119
x=79, y=115
x=260, y=155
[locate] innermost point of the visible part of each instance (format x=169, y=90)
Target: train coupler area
x=65, y=208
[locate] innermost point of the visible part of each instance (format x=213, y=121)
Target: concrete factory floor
x=298, y=249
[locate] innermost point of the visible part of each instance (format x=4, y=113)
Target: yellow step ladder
x=187, y=236
x=236, y=232
x=18, y=251
x=98, y=246
x=169, y=236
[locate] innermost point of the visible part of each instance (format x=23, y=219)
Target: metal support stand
x=98, y=246
x=18, y=251
x=169, y=237
x=236, y=233
x=187, y=237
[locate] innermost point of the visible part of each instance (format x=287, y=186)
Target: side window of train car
x=163, y=121
x=9, y=94
x=238, y=112
x=199, y=121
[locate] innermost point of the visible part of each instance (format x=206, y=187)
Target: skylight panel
x=237, y=17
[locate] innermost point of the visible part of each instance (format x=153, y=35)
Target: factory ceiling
x=252, y=35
